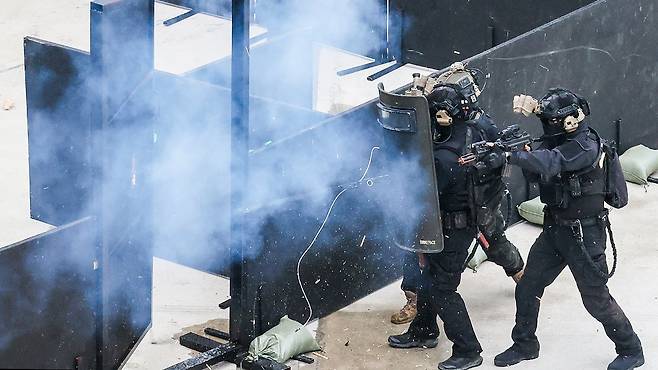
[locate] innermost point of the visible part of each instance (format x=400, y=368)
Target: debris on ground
x=320, y=355
x=7, y=104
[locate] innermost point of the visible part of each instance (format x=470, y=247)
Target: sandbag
x=638, y=163
x=283, y=341
x=532, y=210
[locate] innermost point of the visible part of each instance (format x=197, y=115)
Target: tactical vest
x=487, y=185
x=456, y=197
x=577, y=194
x=488, y=181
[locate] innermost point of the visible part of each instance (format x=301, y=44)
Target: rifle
x=511, y=139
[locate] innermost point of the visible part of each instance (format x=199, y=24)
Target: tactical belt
x=577, y=225
x=601, y=219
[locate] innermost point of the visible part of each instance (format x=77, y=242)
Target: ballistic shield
x=407, y=132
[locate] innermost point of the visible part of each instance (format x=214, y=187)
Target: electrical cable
x=317, y=234
x=299, y=279
x=369, y=162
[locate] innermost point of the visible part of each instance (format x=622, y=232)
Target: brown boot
x=517, y=277
x=406, y=313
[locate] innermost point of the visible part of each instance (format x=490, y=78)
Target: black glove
x=496, y=158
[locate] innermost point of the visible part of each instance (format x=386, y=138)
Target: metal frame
x=225, y=352
x=240, y=306
x=241, y=332
x=179, y=18
x=241, y=326
x=391, y=51
x=108, y=52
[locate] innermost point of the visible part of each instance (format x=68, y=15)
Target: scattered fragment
x=321, y=355
x=7, y=104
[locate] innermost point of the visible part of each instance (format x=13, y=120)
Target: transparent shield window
x=396, y=119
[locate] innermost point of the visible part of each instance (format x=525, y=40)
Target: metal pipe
x=360, y=67
x=179, y=18
x=384, y=71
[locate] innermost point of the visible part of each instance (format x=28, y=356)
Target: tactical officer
x=470, y=200
x=572, y=182
x=488, y=187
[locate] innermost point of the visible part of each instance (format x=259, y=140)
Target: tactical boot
x=513, y=356
x=460, y=363
x=411, y=340
x=627, y=362
x=517, y=277
x=408, y=312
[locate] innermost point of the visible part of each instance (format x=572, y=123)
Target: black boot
x=627, y=362
x=513, y=356
x=460, y=363
x=411, y=340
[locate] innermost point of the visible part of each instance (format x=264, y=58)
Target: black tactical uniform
x=457, y=98
x=410, y=273
x=470, y=198
x=489, y=189
x=438, y=289
x=437, y=293
x=488, y=193
x=574, y=234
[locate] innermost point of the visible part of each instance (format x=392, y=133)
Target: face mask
x=552, y=127
x=442, y=134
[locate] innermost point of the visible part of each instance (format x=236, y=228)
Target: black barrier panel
x=123, y=128
x=192, y=164
x=58, y=131
x=191, y=196
x=271, y=70
x=327, y=143
x=272, y=120
x=128, y=217
x=47, y=300
x=436, y=34
x=602, y=52
x=340, y=252
x=332, y=211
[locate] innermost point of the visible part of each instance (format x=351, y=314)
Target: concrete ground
x=570, y=338
x=355, y=337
